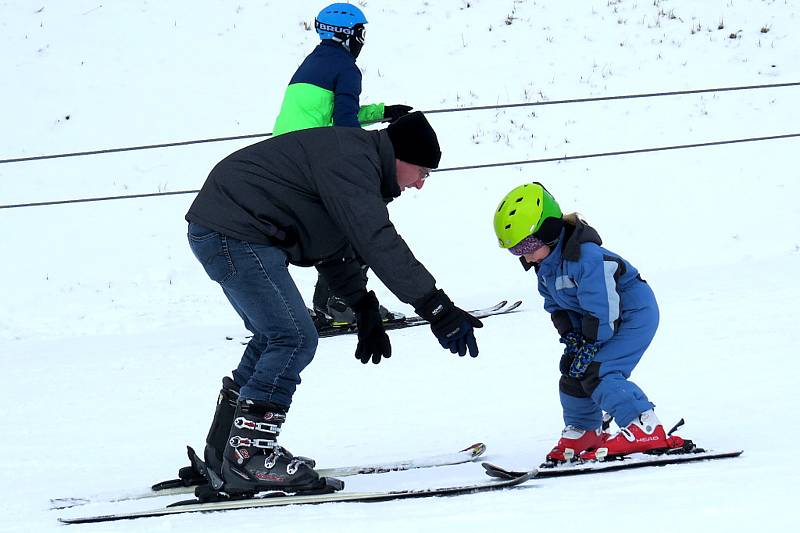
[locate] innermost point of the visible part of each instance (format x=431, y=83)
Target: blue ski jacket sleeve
x=558, y=314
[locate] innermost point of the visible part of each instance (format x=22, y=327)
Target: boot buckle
x=244, y=423
x=238, y=441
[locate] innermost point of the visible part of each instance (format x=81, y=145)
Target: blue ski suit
x=593, y=291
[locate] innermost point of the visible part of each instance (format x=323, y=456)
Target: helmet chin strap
x=354, y=51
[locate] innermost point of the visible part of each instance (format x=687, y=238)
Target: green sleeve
x=304, y=106
x=307, y=106
x=370, y=113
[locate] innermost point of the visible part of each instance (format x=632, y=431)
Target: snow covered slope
x=112, y=339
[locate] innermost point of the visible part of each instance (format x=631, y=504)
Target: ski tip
x=476, y=449
x=493, y=470
x=499, y=472
x=513, y=306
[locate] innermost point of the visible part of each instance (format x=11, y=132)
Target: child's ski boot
x=572, y=443
x=644, y=435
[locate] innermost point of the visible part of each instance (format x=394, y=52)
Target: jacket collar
x=575, y=236
x=330, y=43
x=568, y=246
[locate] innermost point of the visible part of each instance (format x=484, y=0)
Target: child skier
x=606, y=316
x=326, y=88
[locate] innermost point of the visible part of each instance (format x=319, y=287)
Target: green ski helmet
x=523, y=211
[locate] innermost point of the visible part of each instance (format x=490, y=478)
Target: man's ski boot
x=217, y=436
x=572, y=443
x=254, y=462
x=644, y=435
x=221, y=424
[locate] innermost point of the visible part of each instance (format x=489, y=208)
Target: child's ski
x=596, y=467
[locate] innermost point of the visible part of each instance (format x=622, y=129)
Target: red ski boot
x=644, y=434
x=573, y=441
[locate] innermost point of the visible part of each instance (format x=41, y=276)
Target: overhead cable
x=450, y=169
x=431, y=111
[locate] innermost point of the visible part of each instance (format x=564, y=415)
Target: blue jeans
x=255, y=279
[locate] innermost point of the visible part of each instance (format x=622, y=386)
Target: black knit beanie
x=414, y=140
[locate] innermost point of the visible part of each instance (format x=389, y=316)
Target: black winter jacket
x=319, y=194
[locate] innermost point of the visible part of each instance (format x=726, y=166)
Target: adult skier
x=315, y=197
x=606, y=316
x=325, y=91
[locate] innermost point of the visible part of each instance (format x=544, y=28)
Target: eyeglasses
x=424, y=173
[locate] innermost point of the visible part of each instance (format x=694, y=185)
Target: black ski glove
x=452, y=326
x=373, y=342
x=393, y=112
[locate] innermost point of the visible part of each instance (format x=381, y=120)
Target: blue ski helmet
x=343, y=23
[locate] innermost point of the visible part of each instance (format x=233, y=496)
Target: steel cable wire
x=464, y=167
x=431, y=111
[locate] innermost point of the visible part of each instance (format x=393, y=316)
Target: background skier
x=325, y=91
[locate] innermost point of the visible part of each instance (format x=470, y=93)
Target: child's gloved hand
x=572, y=341
x=393, y=112
x=583, y=357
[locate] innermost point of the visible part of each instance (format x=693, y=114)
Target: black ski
x=279, y=499
x=596, y=467
x=500, y=308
